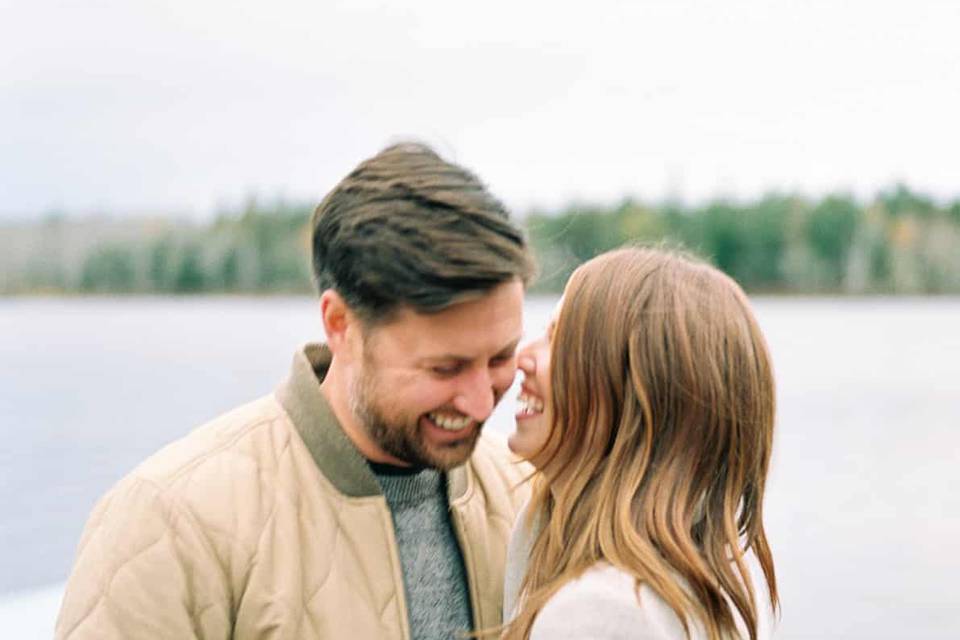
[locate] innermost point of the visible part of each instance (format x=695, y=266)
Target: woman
x=647, y=411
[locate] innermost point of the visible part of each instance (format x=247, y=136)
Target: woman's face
x=534, y=413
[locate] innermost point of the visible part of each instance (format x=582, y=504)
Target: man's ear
x=339, y=323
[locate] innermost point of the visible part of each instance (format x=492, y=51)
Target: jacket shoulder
x=172, y=536
x=493, y=455
x=224, y=476
x=252, y=433
x=501, y=474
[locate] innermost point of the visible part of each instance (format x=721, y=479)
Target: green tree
x=900, y=201
x=108, y=269
x=829, y=232
x=229, y=272
x=189, y=276
x=161, y=265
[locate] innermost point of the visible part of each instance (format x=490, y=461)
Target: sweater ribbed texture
x=438, y=602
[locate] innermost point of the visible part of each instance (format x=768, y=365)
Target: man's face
x=428, y=382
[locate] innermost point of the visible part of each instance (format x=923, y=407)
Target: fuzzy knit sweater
x=603, y=604
x=435, y=582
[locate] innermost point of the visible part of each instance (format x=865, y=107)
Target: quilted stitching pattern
x=233, y=533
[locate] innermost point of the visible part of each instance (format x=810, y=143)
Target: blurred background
x=160, y=160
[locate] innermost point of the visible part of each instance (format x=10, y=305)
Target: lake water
x=863, y=508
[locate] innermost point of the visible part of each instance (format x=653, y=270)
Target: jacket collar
x=334, y=454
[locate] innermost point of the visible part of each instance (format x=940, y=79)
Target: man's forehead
x=462, y=338
x=469, y=350
x=473, y=328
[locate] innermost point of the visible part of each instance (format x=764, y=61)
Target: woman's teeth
x=529, y=405
x=450, y=423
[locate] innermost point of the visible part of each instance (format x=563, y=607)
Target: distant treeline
x=900, y=242
x=264, y=249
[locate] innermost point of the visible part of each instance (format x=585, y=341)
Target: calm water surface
x=862, y=509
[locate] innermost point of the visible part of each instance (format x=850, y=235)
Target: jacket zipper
x=468, y=565
x=397, y=574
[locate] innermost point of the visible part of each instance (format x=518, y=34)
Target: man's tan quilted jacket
x=267, y=523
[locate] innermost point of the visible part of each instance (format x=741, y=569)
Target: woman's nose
x=526, y=363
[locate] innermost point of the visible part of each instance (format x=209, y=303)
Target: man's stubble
x=400, y=436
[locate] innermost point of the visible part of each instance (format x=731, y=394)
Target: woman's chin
x=519, y=445
x=513, y=442
x=523, y=441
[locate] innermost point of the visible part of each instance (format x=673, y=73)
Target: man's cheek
x=504, y=378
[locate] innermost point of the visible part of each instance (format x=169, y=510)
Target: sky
x=140, y=106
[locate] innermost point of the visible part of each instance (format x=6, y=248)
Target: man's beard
x=400, y=435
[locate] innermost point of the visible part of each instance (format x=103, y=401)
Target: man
x=361, y=499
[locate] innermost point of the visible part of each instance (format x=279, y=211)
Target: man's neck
x=334, y=388
x=383, y=469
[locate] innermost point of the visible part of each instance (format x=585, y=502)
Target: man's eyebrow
x=509, y=349
x=458, y=357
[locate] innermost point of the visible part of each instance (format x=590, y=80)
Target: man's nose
x=477, y=395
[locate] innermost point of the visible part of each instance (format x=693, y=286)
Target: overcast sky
x=133, y=106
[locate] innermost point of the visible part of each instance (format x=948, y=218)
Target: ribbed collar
x=411, y=490
x=335, y=455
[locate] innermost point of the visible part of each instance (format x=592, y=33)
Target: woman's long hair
x=663, y=408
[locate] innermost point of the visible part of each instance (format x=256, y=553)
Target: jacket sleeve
x=144, y=569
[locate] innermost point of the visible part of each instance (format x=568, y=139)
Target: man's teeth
x=530, y=404
x=450, y=423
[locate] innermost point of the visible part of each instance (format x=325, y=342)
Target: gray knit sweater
x=438, y=602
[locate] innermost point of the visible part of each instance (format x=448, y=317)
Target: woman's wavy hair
x=663, y=409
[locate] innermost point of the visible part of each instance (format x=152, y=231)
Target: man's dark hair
x=408, y=228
